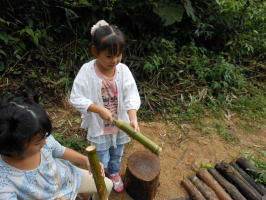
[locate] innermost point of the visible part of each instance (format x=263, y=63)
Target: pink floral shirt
x=110, y=99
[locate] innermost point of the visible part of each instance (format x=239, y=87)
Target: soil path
x=185, y=149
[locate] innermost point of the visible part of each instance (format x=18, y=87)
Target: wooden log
x=246, y=189
x=258, y=186
x=248, y=167
x=203, y=188
x=192, y=190
x=138, y=136
x=212, y=183
x=142, y=175
x=230, y=188
x=96, y=171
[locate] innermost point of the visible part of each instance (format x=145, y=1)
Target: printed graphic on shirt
x=110, y=101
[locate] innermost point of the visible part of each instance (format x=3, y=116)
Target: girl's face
x=35, y=145
x=106, y=61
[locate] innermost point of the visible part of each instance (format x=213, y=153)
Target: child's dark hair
x=108, y=37
x=20, y=120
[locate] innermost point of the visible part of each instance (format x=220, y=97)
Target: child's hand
x=102, y=169
x=105, y=114
x=135, y=125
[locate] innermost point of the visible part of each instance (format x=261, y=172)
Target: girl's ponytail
x=98, y=25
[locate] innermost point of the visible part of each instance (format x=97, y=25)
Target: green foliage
x=214, y=72
x=189, y=9
x=170, y=13
x=162, y=63
x=191, y=53
x=78, y=144
x=234, y=26
x=226, y=134
x=35, y=36
x=251, y=105
x=250, y=40
x=260, y=164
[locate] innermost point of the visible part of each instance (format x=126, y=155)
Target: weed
x=224, y=132
x=253, y=108
x=260, y=164
x=78, y=144
x=247, y=126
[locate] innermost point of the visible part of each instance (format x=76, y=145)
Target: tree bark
x=248, y=167
x=142, y=175
x=207, y=192
x=192, y=190
x=258, y=186
x=212, y=183
x=246, y=189
x=97, y=173
x=230, y=188
x=138, y=136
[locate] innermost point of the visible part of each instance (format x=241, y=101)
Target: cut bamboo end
x=90, y=149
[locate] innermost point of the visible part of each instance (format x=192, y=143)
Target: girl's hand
x=102, y=169
x=135, y=125
x=105, y=114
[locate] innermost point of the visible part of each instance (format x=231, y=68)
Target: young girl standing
x=33, y=165
x=105, y=89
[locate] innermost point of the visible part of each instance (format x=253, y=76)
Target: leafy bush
x=161, y=64
x=212, y=71
x=78, y=144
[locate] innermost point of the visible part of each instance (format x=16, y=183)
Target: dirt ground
x=185, y=149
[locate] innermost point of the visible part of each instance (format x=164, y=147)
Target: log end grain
x=144, y=165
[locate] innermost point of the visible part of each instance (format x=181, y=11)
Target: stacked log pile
x=227, y=181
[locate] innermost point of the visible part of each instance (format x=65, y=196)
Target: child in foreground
x=105, y=88
x=33, y=165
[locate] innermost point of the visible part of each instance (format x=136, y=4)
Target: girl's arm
x=79, y=96
x=76, y=158
x=133, y=119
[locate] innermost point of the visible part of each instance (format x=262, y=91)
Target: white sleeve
x=78, y=97
x=130, y=91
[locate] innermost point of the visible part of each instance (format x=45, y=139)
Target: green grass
x=248, y=126
x=251, y=106
x=78, y=144
x=220, y=128
x=259, y=161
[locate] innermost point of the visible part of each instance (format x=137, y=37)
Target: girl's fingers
x=102, y=169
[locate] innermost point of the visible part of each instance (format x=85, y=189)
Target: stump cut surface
x=144, y=165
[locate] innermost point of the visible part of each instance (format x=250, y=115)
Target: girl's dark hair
x=109, y=38
x=21, y=119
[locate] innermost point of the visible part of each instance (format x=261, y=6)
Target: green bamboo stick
x=97, y=173
x=138, y=136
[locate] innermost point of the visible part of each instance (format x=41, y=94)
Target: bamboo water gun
x=138, y=136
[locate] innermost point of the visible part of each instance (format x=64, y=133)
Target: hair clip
x=98, y=25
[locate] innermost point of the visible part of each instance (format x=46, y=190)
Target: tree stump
x=142, y=175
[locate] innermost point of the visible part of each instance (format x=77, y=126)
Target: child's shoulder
x=88, y=65
x=122, y=67
x=50, y=142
